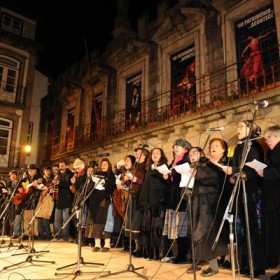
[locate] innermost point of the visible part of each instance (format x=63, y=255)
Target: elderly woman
x=248, y=131
x=207, y=210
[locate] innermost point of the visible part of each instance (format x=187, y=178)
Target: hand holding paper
x=163, y=169
x=255, y=164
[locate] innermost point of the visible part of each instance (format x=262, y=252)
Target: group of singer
x=154, y=212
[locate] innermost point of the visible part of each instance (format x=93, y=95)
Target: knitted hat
x=183, y=143
x=78, y=164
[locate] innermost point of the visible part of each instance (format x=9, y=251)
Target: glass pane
x=3, y=142
x=4, y=133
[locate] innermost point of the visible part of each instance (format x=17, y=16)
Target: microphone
x=104, y=155
x=263, y=103
x=215, y=128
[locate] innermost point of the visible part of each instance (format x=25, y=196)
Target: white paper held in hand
x=163, y=169
x=255, y=164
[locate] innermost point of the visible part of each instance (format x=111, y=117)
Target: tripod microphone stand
x=31, y=249
x=31, y=228
x=130, y=267
x=79, y=214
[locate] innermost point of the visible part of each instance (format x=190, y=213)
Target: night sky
x=63, y=30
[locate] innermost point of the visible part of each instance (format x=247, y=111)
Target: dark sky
x=62, y=29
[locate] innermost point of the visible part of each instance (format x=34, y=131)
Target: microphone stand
x=31, y=249
x=188, y=192
x=78, y=207
x=130, y=267
x=3, y=223
x=5, y=210
x=241, y=178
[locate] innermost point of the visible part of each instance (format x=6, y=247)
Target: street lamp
x=27, y=150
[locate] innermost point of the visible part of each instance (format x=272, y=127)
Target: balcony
x=13, y=95
x=210, y=92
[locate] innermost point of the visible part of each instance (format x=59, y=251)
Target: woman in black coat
x=99, y=202
x=247, y=131
x=207, y=211
x=153, y=200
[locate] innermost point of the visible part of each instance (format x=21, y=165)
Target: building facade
x=18, y=59
x=193, y=66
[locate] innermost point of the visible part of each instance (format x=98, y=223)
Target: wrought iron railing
x=211, y=90
x=12, y=94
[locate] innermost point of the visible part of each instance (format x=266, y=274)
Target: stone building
x=191, y=67
x=21, y=88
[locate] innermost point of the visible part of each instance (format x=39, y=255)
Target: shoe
x=221, y=260
x=190, y=269
x=209, y=272
x=178, y=260
x=225, y=265
x=104, y=249
x=167, y=259
x=275, y=276
x=95, y=249
x=257, y=273
x=244, y=271
x=15, y=236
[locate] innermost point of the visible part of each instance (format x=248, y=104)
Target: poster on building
x=133, y=101
x=256, y=47
x=70, y=129
x=183, y=78
x=96, y=113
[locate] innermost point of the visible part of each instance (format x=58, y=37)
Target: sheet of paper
x=163, y=169
x=183, y=168
x=186, y=181
x=255, y=164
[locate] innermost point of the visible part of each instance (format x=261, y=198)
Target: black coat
x=100, y=199
x=207, y=211
x=252, y=185
x=154, y=191
x=65, y=195
x=271, y=201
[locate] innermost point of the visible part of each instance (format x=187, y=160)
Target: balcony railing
x=209, y=92
x=12, y=94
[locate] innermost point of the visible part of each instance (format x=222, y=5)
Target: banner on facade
x=133, y=101
x=256, y=46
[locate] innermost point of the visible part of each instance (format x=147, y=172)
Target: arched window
x=5, y=141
